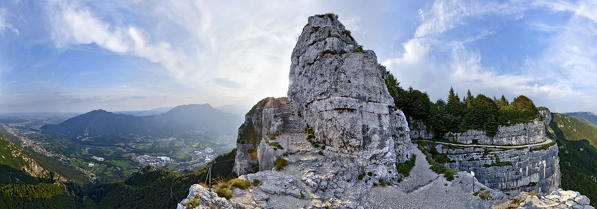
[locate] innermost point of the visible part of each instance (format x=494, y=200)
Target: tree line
x=459, y=115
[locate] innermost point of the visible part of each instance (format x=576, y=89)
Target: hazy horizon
x=70, y=56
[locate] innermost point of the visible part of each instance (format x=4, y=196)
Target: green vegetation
x=360, y=177
x=21, y=190
x=577, y=155
x=280, y=163
x=456, y=115
x=311, y=137
x=224, y=192
x=436, y=166
x=224, y=187
x=382, y=183
x=240, y=183
x=484, y=195
x=576, y=129
x=276, y=145
x=42, y=195
x=256, y=182
x=543, y=147
x=405, y=167
x=498, y=164
x=159, y=188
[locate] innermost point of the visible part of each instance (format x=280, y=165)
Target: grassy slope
x=576, y=129
x=578, y=158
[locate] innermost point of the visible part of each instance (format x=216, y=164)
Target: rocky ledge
x=518, y=134
x=511, y=170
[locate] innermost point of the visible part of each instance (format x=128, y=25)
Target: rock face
x=418, y=130
x=518, y=134
x=267, y=119
x=337, y=141
x=546, y=115
x=511, y=170
x=556, y=199
x=338, y=89
x=202, y=198
x=338, y=125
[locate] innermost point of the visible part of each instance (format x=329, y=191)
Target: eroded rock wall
x=510, y=170
x=337, y=87
x=262, y=124
x=418, y=130
x=518, y=134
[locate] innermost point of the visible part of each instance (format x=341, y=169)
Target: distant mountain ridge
x=183, y=121
x=588, y=116
x=153, y=111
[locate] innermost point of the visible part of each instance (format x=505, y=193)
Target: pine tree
x=469, y=99
x=453, y=106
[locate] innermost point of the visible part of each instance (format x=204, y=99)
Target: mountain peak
x=98, y=111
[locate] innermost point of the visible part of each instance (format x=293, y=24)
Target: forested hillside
x=588, y=116
x=578, y=162
x=19, y=189
x=157, y=188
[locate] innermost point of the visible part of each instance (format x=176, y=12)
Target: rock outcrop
x=338, y=125
x=418, y=130
x=518, y=134
x=508, y=169
x=337, y=139
x=557, y=199
x=339, y=91
x=546, y=115
x=269, y=118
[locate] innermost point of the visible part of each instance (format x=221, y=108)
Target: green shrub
x=405, y=167
x=484, y=195
x=310, y=137
x=383, y=183
x=240, y=183
x=360, y=177
x=224, y=192
x=276, y=145
x=271, y=136
x=256, y=182
x=280, y=163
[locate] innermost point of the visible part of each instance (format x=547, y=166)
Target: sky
x=76, y=56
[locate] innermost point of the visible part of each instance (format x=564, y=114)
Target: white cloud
x=4, y=24
x=562, y=77
x=73, y=24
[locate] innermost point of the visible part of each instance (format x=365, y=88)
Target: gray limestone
x=510, y=170
x=518, y=134
x=337, y=91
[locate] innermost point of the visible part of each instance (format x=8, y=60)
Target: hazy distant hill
x=102, y=127
x=588, y=116
x=154, y=111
